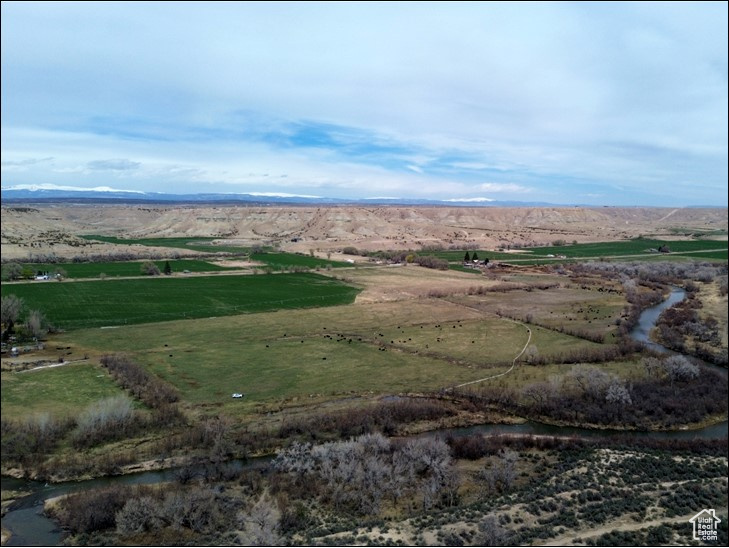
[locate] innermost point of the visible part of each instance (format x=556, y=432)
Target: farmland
x=59, y=391
x=315, y=354
x=391, y=340
x=123, y=268
x=390, y=348
x=75, y=305
x=639, y=248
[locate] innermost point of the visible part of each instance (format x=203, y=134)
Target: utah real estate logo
x=706, y=525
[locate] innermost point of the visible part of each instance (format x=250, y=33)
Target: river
x=648, y=318
x=29, y=527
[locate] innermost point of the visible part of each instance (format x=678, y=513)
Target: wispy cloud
x=113, y=165
x=502, y=187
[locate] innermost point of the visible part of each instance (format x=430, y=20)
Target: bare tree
x=538, y=392
x=617, y=394
x=531, y=354
x=679, y=368
x=261, y=524
x=500, y=475
x=593, y=382
x=653, y=366
x=491, y=533
x=10, y=309
x=138, y=515
x=35, y=324
x=197, y=510
x=431, y=462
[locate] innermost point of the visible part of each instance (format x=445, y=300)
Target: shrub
x=148, y=268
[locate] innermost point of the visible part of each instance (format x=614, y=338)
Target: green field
x=308, y=354
x=125, y=268
x=203, y=245
x=699, y=249
x=637, y=246
x=74, y=305
x=279, y=261
x=61, y=391
x=288, y=355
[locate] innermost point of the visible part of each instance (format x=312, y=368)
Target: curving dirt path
x=513, y=362
x=616, y=526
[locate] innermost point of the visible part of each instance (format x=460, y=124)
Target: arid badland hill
x=55, y=229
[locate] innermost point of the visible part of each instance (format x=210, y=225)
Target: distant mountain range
x=117, y=196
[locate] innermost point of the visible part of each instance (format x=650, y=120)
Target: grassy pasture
x=60, y=391
x=277, y=357
x=127, y=268
x=573, y=308
x=75, y=305
x=297, y=356
x=524, y=374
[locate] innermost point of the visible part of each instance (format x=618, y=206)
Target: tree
x=594, y=382
x=475, y=257
x=138, y=515
x=12, y=272
x=10, y=309
x=36, y=324
x=467, y=258
x=168, y=268
x=149, y=268
x=261, y=525
x=679, y=368
x=531, y=354
x=491, y=533
x=500, y=475
x=652, y=366
x=618, y=394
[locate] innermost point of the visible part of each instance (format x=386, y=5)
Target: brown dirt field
x=397, y=282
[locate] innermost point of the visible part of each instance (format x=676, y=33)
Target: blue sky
x=589, y=103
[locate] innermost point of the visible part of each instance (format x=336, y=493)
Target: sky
x=565, y=103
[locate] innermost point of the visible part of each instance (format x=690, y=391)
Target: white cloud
x=502, y=187
x=475, y=200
